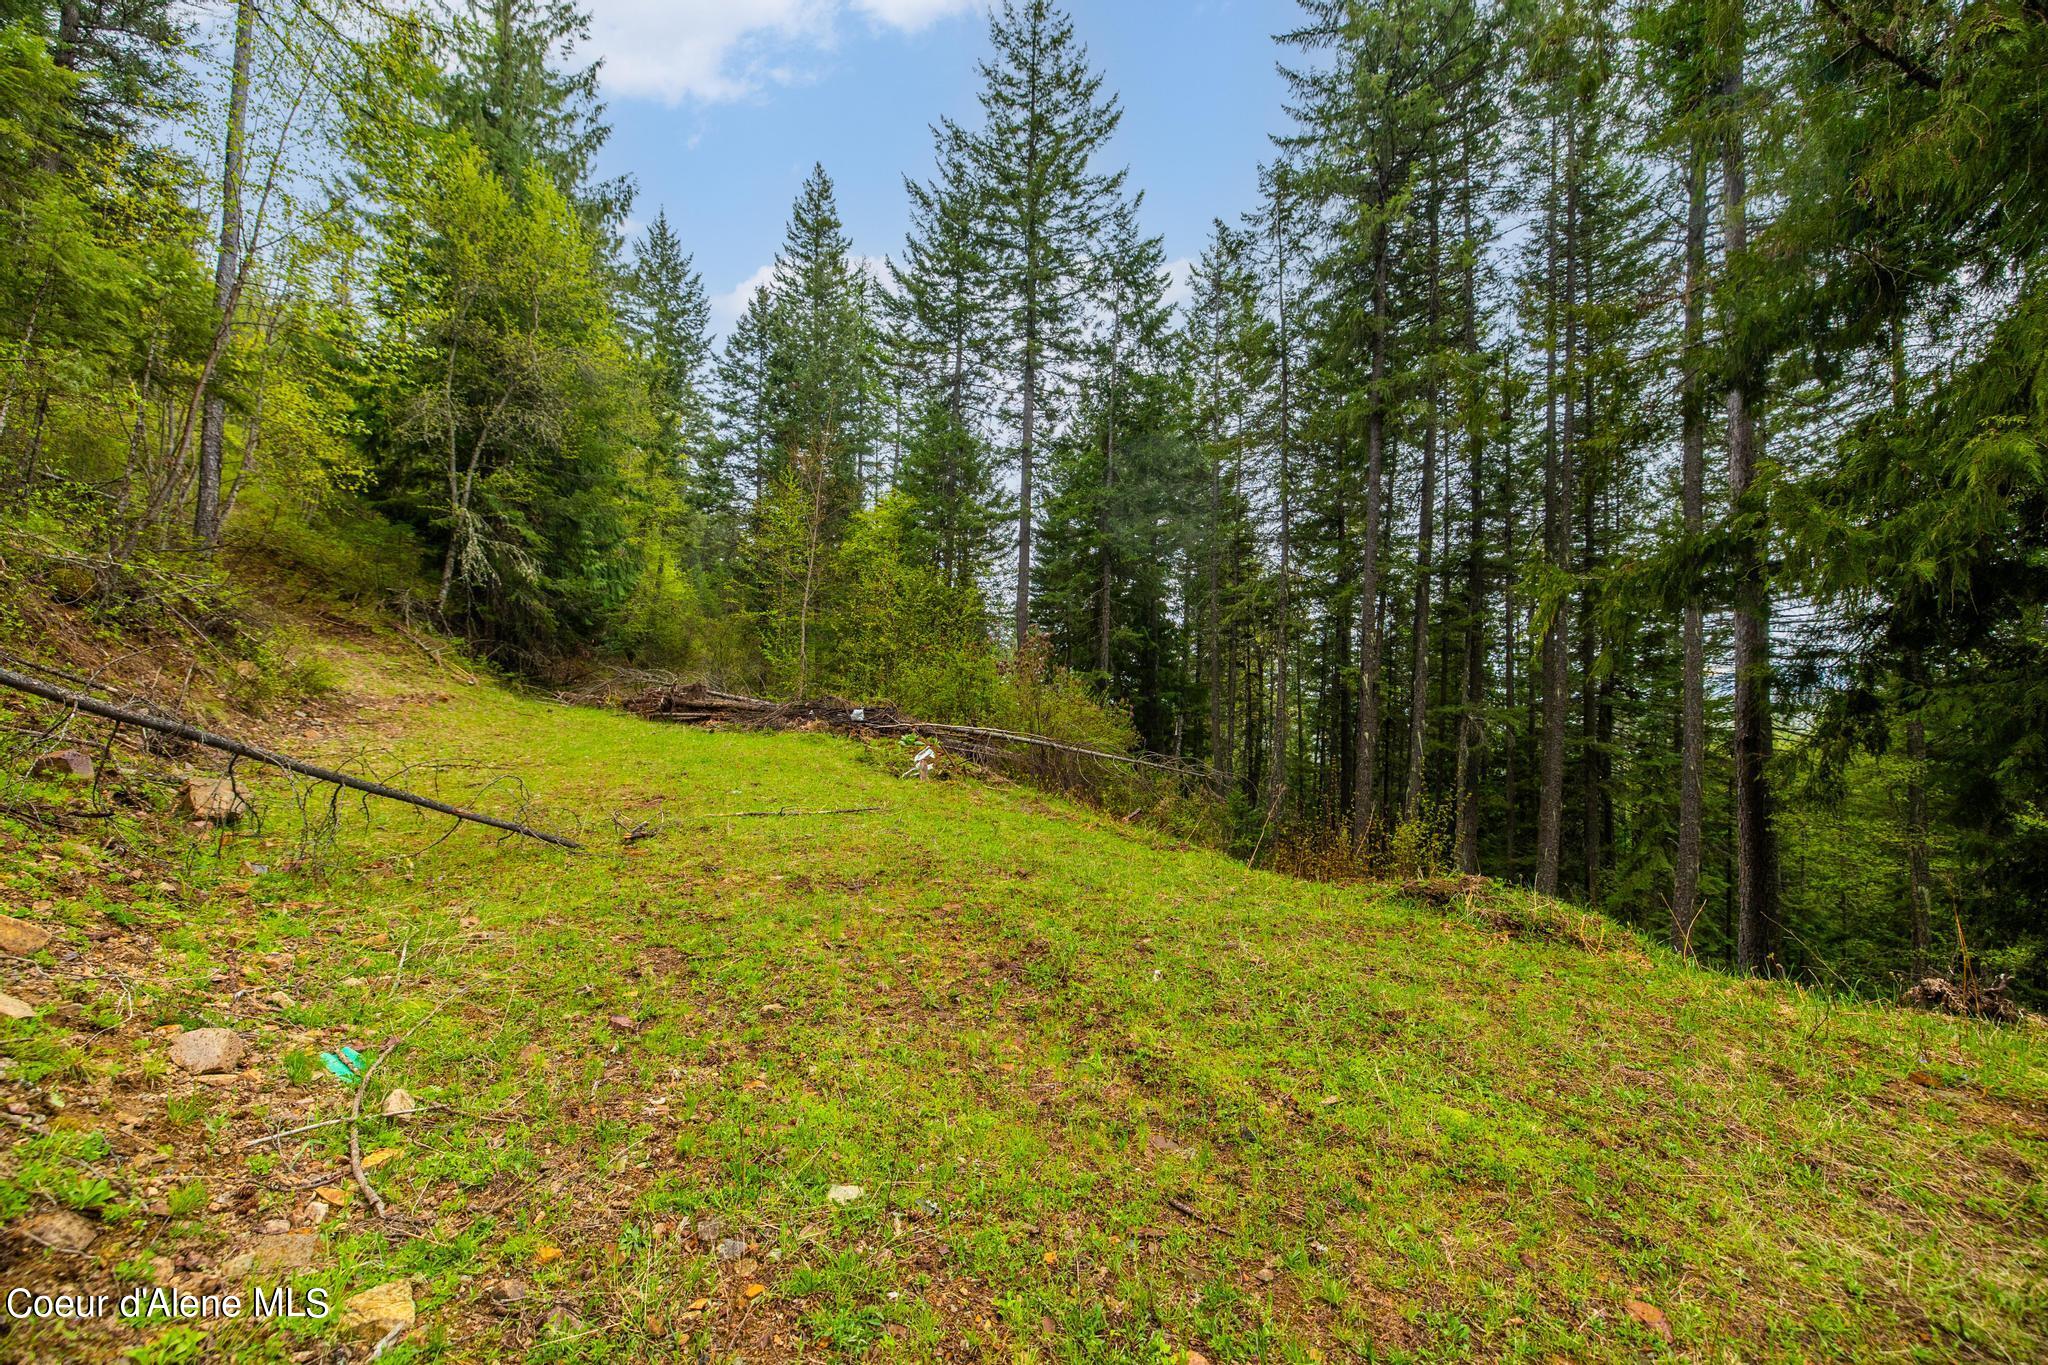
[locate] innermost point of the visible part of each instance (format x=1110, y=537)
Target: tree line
x=1609, y=454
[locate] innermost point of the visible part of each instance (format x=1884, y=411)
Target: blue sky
x=719, y=107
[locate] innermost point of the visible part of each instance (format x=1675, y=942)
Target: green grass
x=1110, y=1100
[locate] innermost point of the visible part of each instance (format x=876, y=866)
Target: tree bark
x=227, y=271
x=1918, y=882
x=1365, y=788
x=1277, y=771
x=1418, y=689
x=1559, y=453
x=1685, y=890
x=1757, y=930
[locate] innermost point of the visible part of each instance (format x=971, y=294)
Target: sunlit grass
x=1106, y=1100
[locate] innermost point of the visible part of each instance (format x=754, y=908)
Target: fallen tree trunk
x=92, y=706
x=697, y=704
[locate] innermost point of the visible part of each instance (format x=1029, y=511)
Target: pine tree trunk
x=1472, y=692
x=1365, y=790
x=1685, y=891
x=1589, y=703
x=1511, y=771
x=1102, y=610
x=227, y=271
x=1276, y=777
x=1756, y=849
x=1418, y=690
x=1024, y=491
x=1557, y=502
x=1918, y=888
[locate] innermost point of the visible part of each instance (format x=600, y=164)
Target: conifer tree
x=940, y=317
x=822, y=395
x=512, y=89
x=670, y=318
x=1045, y=201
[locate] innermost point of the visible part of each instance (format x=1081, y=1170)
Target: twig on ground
x=93, y=706
x=355, y=1114
x=786, y=810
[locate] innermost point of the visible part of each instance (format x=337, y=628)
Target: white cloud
x=1180, y=289
x=698, y=49
x=720, y=50
x=911, y=15
x=727, y=307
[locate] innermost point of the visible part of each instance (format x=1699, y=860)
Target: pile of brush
x=700, y=704
x=1973, y=996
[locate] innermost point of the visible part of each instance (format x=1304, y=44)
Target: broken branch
x=194, y=735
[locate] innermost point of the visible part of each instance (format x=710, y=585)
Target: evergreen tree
x=670, y=319
x=1094, y=576
x=940, y=318
x=1044, y=119
x=511, y=88
x=747, y=436
x=822, y=380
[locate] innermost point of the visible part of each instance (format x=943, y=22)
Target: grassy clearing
x=1107, y=1099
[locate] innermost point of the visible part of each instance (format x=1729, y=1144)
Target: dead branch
x=698, y=704
x=757, y=814
x=192, y=734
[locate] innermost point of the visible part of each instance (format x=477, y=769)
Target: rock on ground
x=72, y=764
x=275, y=1252
x=844, y=1194
x=379, y=1312
x=212, y=799
x=399, y=1101
x=62, y=1230
x=204, y=1051
x=19, y=937
x=16, y=1009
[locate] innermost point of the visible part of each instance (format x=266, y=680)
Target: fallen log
x=92, y=706
x=697, y=704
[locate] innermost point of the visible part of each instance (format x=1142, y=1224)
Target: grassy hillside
x=1105, y=1099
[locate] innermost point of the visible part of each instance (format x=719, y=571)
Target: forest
x=1611, y=456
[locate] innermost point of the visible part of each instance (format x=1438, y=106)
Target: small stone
x=732, y=1248
x=278, y=1251
x=844, y=1194
x=62, y=1230
x=381, y=1311
x=399, y=1101
x=19, y=937
x=275, y=1227
x=207, y=1051
x=508, y=1293
x=72, y=765
x=1196, y=1357
x=16, y=1009
x=212, y=800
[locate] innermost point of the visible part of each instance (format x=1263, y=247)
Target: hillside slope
x=1104, y=1099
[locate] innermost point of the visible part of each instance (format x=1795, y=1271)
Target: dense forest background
x=1612, y=455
